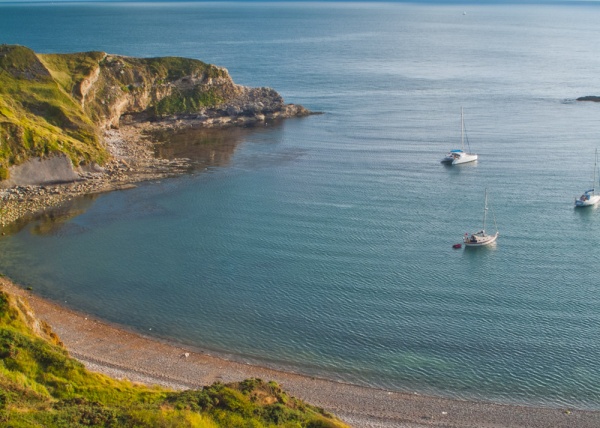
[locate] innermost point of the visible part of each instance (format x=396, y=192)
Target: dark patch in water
x=205, y=147
x=54, y=221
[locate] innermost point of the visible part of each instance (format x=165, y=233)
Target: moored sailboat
x=481, y=238
x=589, y=197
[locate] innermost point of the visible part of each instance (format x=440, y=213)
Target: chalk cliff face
x=58, y=104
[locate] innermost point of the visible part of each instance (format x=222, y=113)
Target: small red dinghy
x=457, y=246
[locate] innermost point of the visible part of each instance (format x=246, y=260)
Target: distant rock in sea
x=594, y=98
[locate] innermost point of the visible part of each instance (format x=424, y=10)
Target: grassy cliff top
x=37, y=116
x=40, y=385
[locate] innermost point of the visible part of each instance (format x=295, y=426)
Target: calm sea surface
x=323, y=245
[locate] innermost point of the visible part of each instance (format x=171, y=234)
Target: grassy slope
x=37, y=115
x=40, y=385
x=191, y=100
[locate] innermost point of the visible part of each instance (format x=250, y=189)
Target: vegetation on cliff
x=59, y=103
x=40, y=385
x=37, y=116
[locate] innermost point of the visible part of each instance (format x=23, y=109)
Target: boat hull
x=458, y=159
x=466, y=158
x=593, y=200
x=481, y=241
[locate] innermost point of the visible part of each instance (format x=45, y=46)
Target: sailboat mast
x=595, y=166
x=462, y=130
x=485, y=207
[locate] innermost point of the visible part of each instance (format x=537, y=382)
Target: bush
x=4, y=174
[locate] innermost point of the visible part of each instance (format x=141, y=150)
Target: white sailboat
x=458, y=156
x=589, y=198
x=481, y=238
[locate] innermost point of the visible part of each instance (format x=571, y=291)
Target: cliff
x=59, y=104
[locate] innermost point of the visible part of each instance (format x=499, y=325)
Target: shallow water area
x=323, y=245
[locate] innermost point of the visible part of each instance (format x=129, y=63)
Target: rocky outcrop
x=169, y=89
x=38, y=171
x=86, y=84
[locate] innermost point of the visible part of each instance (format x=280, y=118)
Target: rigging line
x=467, y=138
x=494, y=217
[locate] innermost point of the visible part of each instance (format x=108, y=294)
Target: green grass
x=69, y=70
x=41, y=386
x=188, y=102
x=37, y=116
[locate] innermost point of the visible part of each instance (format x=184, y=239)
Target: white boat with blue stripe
x=458, y=156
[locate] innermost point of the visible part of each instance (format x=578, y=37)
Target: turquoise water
x=323, y=245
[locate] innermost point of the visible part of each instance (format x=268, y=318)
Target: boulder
x=38, y=171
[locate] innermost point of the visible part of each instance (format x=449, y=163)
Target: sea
x=324, y=245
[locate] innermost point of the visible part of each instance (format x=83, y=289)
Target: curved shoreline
x=119, y=353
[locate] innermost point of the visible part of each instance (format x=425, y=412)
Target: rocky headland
x=72, y=124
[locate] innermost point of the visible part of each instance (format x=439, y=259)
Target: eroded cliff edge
x=60, y=105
